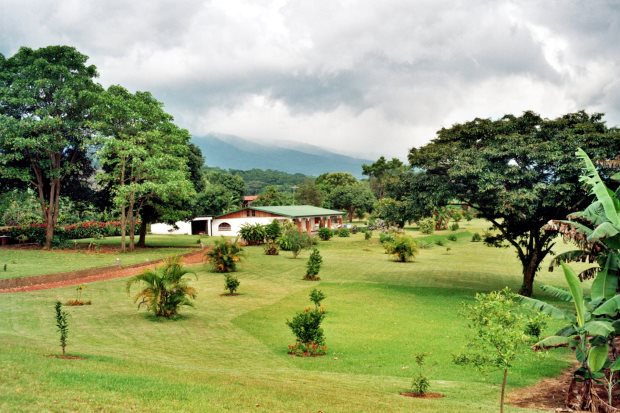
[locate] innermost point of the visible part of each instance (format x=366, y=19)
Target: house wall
x=237, y=222
x=185, y=228
x=252, y=214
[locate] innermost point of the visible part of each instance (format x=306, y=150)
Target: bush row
x=36, y=232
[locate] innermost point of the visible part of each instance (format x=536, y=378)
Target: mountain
x=233, y=152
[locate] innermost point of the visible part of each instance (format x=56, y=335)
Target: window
x=224, y=226
x=253, y=213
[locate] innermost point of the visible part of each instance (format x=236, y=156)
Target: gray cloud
x=355, y=76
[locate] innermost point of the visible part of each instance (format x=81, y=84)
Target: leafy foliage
x=231, y=283
x=62, y=325
x=253, y=234
x=313, y=265
x=403, y=248
x=476, y=237
x=293, y=240
x=166, y=288
x=420, y=383
x=343, y=232
x=306, y=326
x=273, y=230
x=533, y=160
x=224, y=255
x=427, y=225
x=325, y=233
x=317, y=296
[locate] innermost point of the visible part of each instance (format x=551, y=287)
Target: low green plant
x=420, y=383
x=325, y=234
x=535, y=325
x=497, y=337
x=403, y=248
x=231, y=283
x=454, y=226
x=452, y=237
x=440, y=242
x=313, y=266
x=295, y=241
x=78, y=297
x=166, y=288
x=62, y=325
x=273, y=231
x=271, y=248
x=253, y=234
x=306, y=326
x=367, y=234
x=425, y=245
x=386, y=237
x=224, y=255
x=316, y=296
x=343, y=232
x=476, y=237
x=426, y=225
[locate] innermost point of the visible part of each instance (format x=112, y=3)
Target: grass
x=229, y=353
x=26, y=263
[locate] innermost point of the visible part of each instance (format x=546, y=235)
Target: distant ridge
x=233, y=152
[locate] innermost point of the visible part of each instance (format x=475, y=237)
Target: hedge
x=89, y=229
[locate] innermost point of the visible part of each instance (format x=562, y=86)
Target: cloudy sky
x=358, y=77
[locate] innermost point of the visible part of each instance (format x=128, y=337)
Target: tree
x=517, y=172
x=393, y=212
x=497, y=334
x=46, y=112
x=331, y=180
x=381, y=172
x=272, y=197
x=166, y=288
x=308, y=193
x=354, y=198
x=144, y=155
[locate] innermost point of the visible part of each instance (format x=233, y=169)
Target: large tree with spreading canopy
x=518, y=172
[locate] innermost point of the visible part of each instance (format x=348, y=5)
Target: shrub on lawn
x=325, y=233
x=271, y=248
x=403, y=248
x=454, y=226
x=306, y=326
x=440, y=242
x=343, y=232
x=316, y=296
x=231, y=283
x=62, y=325
x=451, y=237
x=294, y=241
x=253, y=234
x=224, y=255
x=476, y=237
x=78, y=297
x=426, y=225
x=273, y=231
x=420, y=383
x=166, y=288
x=367, y=234
x=386, y=237
x=313, y=266
x=36, y=232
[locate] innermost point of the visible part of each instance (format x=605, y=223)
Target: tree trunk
x=51, y=215
x=501, y=400
x=132, y=222
x=123, y=228
x=142, y=239
x=530, y=263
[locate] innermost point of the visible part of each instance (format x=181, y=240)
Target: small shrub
x=295, y=241
x=425, y=245
x=476, y=237
x=224, y=255
x=420, y=383
x=313, y=266
x=426, y=225
x=271, y=248
x=367, y=234
x=78, y=297
x=451, y=237
x=325, y=233
x=468, y=216
x=440, y=242
x=306, y=326
x=231, y=283
x=343, y=232
x=454, y=226
x=273, y=231
x=62, y=324
x=403, y=248
x=253, y=234
x=316, y=296
x=354, y=229
x=386, y=237
x=535, y=325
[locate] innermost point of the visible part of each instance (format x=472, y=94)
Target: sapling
x=62, y=324
x=420, y=383
x=497, y=334
x=313, y=266
x=316, y=296
x=231, y=283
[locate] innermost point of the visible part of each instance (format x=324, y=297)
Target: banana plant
x=596, y=232
x=589, y=329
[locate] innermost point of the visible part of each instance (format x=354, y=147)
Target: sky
x=366, y=78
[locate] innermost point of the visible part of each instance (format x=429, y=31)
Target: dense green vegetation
x=231, y=354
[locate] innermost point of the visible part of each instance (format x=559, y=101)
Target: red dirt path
x=45, y=282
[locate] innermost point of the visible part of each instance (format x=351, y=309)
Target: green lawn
x=26, y=263
x=228, y=354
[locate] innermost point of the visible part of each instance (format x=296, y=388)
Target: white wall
x=236, y=223
x=185, y=228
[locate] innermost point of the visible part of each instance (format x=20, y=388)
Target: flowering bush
x=89, y=229
x=307, y=349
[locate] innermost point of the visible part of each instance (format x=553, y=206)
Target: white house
x=200, y=225
x=307, y=218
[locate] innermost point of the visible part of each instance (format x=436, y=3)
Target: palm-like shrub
x=403, y=248
x=253, y=234
x=313, y=266
x=166, y=288
x=273, y=230
x=224, y=255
